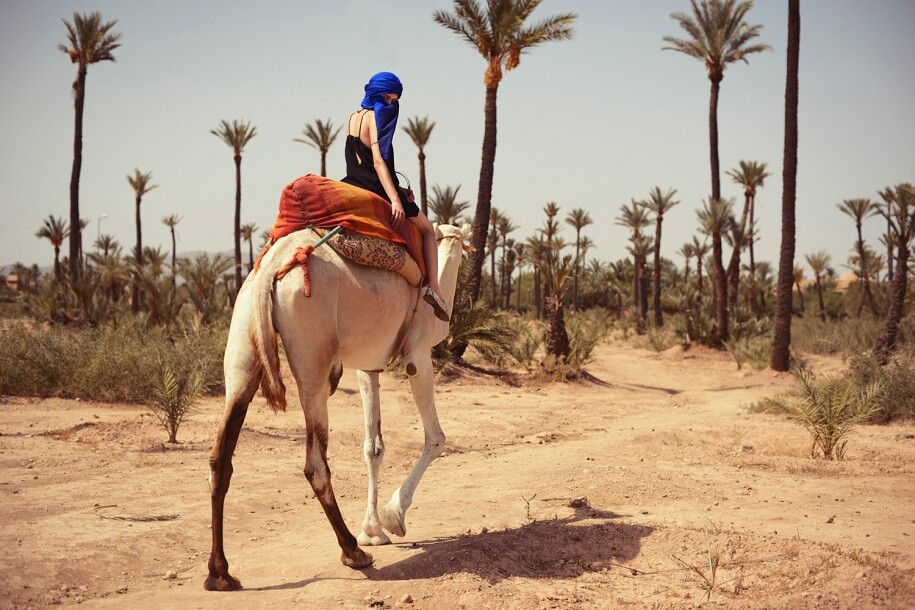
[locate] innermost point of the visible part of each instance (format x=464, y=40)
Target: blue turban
x=385, y=115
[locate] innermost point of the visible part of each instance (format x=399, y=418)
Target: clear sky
x=589, y=123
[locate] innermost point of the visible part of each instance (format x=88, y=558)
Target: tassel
x=300, y=258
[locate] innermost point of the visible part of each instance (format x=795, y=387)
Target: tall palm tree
x=500, y=32
x=715, y=218
x=171, y=222
x=520, y=261
x=236, y=135
x=635, y=217
x=659, y=203
x=819, y=264
x=505, y=227
x=445, y=206
x=859, y=210
x=321, y=135
x=419, y=130
x=536, y=246
x=106, y=243
x=718, y=36
x=886, y=210
x=751, y=175
x=579, y=219
x=89, y=41
x=141, y=185
x=640, y=248
x=492, y=244
x=902, y=222
x=54, y=230
x=781, y=338
x=247, y=233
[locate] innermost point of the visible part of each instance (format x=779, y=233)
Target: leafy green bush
x=896, y=399
x=102, y=363
x=660, y=339
x=829, y=407
x=754, y=351
x=174, y=395
x=848, y=336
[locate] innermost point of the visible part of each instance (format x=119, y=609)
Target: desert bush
x=174, y=395
x=848, y=336
x=829, y=407
x=529, y=336
x=660, y=339
x=102, y=363
x=586, y=330
x=753, y=351
x=476, y=323
x=896, y=399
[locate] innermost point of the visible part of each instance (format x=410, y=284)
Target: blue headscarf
x=385, y=115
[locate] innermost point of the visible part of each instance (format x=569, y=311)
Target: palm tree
x=886, y=210
x=321, y=136
x=902, y=222
x=140, y=183
x=445, y=206
x=520, y=261
x=687, y=251
x=237, y=135
x=505, y=227
x=798, y=278
x=492, y=244
x=715, y=218
x=640, y=248
x=536, y=246
x=89, y=41
x=781, y=338
x=819, y=263
x=419, y=130
x=700, y=250
x=635, y=217
x=500, y=32
x=751, y=175
x=54, y=230
x=659, y=204
x=171, y=222
x=579, y=219
x=247, y=233
x=718, y=36
x=106, y=243
x=858, y=210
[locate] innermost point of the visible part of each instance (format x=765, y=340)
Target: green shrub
x=108, y=363
x=661, y=340
x=753, y=351
x=829, y=407
x=174, y=395
x=848, y=336
x=896, y=399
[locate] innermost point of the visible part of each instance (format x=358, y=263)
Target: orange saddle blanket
x=325, y=203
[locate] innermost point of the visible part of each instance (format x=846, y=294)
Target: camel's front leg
x=373, y=451
x=318, y=474
x=393, y=516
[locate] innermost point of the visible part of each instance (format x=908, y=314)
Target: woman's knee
x=423, y=223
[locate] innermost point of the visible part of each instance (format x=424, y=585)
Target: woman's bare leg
x=430, y=250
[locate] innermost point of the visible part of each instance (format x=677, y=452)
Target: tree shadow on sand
x=555, y=548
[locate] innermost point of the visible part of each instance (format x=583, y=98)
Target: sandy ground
x=674, y=469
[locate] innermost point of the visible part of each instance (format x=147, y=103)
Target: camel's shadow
x=556, y=548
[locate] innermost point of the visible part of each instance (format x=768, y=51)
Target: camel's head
x=450, y=231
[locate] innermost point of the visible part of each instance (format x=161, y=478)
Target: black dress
x=360, y=171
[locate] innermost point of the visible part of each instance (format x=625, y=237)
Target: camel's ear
x=438, y=231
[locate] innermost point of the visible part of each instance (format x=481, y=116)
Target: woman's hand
x=397, y=214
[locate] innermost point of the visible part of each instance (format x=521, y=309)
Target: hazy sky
x=589, y=123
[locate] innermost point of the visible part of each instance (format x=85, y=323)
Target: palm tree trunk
x=643, y=295
x=575, y=277
x=237, y=226
x=753, y=296
x=781, y=340
x=658, y=316
x=557, y=342
x=57, y=270
x=323, y=162
x=537, y=297
x=820, y=298
x=174, y=259
x=713, y=136
x=484, y=194
x=887, y=339
x=250, y=254
x=492, y=275
x=422, y=183
x=889, y=250
x=734, y=263
x=699, y=275
x=720, y=281
x=75, y=227
x=520, y=275
x=138, y=255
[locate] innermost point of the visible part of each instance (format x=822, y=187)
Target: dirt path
x=673, y=466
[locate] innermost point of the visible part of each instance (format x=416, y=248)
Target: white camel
x=356, y=318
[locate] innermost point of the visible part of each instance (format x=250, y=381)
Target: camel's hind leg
x=373, y=451
x=314, y=404
x=242, y=378
x=393, y=516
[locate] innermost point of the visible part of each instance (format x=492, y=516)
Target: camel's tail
x=263, y=336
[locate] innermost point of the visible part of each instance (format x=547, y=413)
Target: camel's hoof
x=359, y=559
x=365, y=540
x=393, y=521
x=222, y=583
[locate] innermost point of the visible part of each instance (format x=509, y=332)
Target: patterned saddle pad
x=374, y=252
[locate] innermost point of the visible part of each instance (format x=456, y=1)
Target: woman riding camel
x=370, y=165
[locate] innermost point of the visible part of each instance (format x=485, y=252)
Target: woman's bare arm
x=384, y=175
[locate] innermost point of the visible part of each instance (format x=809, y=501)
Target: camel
x=357, y=317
